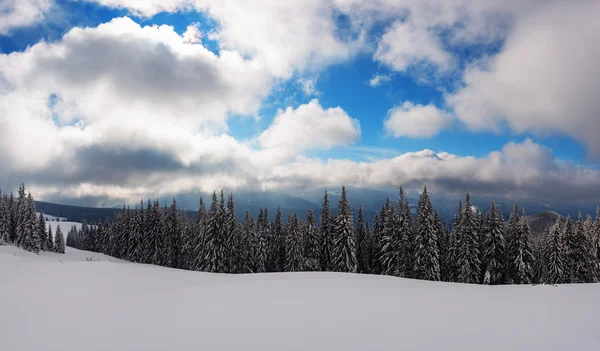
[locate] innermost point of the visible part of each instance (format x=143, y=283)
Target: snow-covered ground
x=64, y=226
x=64, y=302
x=51, y=218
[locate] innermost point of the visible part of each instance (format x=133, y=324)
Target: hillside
x=74, y=304
x=540, y=221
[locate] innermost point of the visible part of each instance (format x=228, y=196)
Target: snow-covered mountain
x=93, y=302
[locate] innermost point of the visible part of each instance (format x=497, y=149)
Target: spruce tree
x=584, y=269
x=21, y=214
x=427, y=264
x=494, y=249
x=59, y=241
x=4, y=221
x=343, y=256
x=451, y=263
x=375, y=252
x=251, y=237
x=468, y=246
x=214, y=251
x=362, y=243
x=326, y=234
x=442, y=239
x=524, y=259
x=294, y=246
x=41, y=228
x=277, y=248
x=513, y=235
x=28, y=229
x=173, y=236
x=570, y=256
x=51, y=247
x=407, y=235
x=312, y=252
x=261, y=248
x=391, y=256
x=554, y=255
x=596, y=241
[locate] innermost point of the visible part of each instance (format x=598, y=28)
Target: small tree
x=59, y=241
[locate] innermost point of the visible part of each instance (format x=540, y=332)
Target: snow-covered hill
x=64, y=302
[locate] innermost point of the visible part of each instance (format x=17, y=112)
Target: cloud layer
x=122, y=111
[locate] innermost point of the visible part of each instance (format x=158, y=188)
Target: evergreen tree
x=28, y=229
x=21, y=214
x=200, y=236
x=442, y=240
x=375, y=252
x=407, y=235
x=343, y=256
x=554, y=253
x=584, y=269
x=294, y=248
x=51, y=236
x=391, y=256
x=468, y=246
x=173, y=236
x=214, y=250
x=277, y=244
x=59, y=241
x=326, y=235
x=4, y=221
x=494, y=249
x=154, y=241
x=451, y=264
x=570, y=257
x=513, y=235
x=596, y=241
x=251, y=236
x=41, y=228
x=362, y=243
x=524, y=259
x=427, y=264
x=261, y=247
x=312, y=254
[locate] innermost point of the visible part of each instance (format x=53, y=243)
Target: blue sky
x=460, y=84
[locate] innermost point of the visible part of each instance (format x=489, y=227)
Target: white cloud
x=404, y=45
x=192, y=34
x=378, y=79
x=310, y=127
x=545, y=78
x=21, y=13
x=416, y=120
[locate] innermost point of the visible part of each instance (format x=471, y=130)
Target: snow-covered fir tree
x=41, y=228
x=200, y=237
x=569, y=257
x=494, y=249
x=294, y=246
x=584, y=268
x=442, y=239
x=375, y=252
x=554, y=256
x=250, y=235
x=391, y=254
x=312, y=254
x=596, y=240
x=326, y=234
x=277, y=244
x=343, y=256
x=362, y=243
x=427, y=260
x=59, y=241
x=524, y=260
x=28, y=230
x=261, y=248
x=214, y=250
x=154, y=241
x=513, y=235
x=172, y=230
x=407, y=235
x=468, y=263
x=51, y=236
x=4, y=220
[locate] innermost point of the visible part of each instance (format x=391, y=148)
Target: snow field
x=63, y=302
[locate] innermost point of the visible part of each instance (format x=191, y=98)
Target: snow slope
x=63, y=302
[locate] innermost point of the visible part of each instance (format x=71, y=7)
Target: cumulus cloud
x=544, y=80
x=310, y=127
x=379, y=79
x=416, y=120
x=405, y=45
x=192, y=34
x=21, y=13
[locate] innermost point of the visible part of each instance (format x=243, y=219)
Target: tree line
x=475, y=248
x=20, y=226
